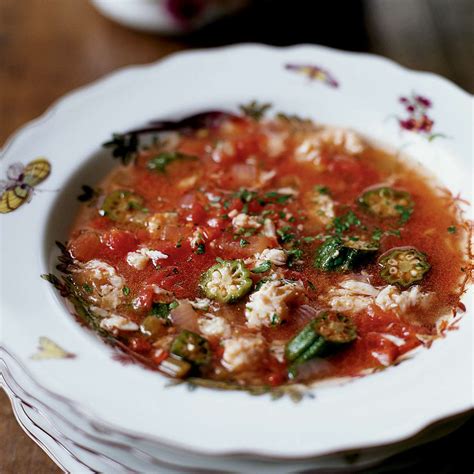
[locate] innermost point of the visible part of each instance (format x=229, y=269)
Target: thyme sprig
x=124, y=146
x=255, y=110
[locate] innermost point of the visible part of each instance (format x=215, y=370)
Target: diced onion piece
x=185, y=317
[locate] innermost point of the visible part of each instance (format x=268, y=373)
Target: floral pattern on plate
x=314, y=73
x=48, y=349
x=417, y=119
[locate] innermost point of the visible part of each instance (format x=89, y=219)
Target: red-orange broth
x=277, y=171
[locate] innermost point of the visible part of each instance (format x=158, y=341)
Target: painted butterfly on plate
x=19, y=185
x=314, y=73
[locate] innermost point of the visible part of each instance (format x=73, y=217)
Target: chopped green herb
x=284, y=235
x=274, y=319
x=278, y=197
x=162, y=310
x=263, y=267
x=405, y=213
x=311, y=285
x=179, y=243
x=126, y=290
x=322, y=189
x=345, y=222
x=244, y=242
x=173, y=305
x=245, y=195
x=161, y=161
x=249, y=232
x=294, y=255
x=87, y=288
x=377, y=235
x=201, y=248
x=452, y=229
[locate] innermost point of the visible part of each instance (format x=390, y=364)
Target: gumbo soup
x=238, y=250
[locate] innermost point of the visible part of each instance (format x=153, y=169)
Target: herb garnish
x=345, y=222
x=294, y=255
x=255, y=110
x=452, y=229
x=405, y=213
x=243, y=242
x=201, y=248
x=162, y=160
x=162, y=310
x=244, y=195
x=124, y=146
x=293, y=118
x=377, y=235
x=126, y=290
x=88, y=194
x=263, y=267
x=278, y=197
x=322, y=189
x=285, y=235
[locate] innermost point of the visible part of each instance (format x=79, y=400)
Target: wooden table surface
x=48, y=47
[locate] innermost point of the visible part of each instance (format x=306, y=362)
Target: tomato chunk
x=87, y=246
x=119, y=242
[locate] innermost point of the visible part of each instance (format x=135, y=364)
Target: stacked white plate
x=92, y=412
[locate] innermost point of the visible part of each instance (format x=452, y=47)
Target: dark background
x=48, y=47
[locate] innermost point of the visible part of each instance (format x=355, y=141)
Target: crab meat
x=270, y=304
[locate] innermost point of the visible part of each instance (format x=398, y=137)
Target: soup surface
x=251, y=252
